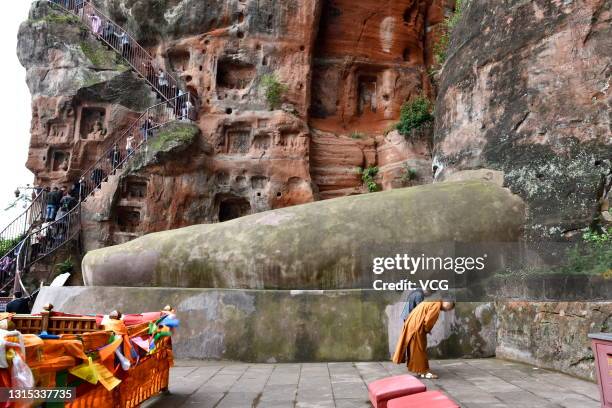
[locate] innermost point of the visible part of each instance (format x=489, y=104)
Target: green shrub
x=590, y=259
x=415, y=114
x=357, y=135
x=273, y=89
x=440, y=48
x=66, y=266
x=597, y=238
x=367, y=176
x=7, y=244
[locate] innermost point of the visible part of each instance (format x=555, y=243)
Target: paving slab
x=480, y=383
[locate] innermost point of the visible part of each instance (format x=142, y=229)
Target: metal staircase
x=36, y=239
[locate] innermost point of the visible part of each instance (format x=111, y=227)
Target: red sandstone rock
x=346, y=68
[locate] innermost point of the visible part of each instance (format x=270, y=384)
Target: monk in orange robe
x=414, y=337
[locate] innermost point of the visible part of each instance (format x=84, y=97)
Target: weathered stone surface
x=369, y=59
x=526, y=91
x=250, y=156
x=550, y=286
x=494, y=176
x=319, y=245
x=552, y=335
x=285, y=326
x=82, y=94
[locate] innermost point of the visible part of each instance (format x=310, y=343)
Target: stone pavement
x=486, y=383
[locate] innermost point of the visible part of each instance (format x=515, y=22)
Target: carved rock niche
x=367, y=93
x=92, y=124
x=232, y=74
x=179, y=60
x=134, y=189
x=128, y=218
x=232, y=207
x=237, y=140
x=59, y=160
x=57, y=131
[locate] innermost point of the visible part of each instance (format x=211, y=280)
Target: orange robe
x=414, y=337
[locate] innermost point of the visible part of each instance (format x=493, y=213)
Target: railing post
x=45, y=317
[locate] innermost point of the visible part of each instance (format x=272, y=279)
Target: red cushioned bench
x=386, y=389
x=428, y=399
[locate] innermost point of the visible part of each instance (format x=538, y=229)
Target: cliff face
x=81, y=95
x=345, y=71
x=526, y=91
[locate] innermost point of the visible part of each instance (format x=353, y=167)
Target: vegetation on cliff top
x=58, y=18
x=441, y=47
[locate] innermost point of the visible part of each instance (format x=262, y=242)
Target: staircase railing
x=21, y=225
x=133, y=140
x=51, y=236
x=48, y=238
x=42, y=240
x=113, y=35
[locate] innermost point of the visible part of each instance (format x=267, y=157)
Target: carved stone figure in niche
x=367, y=94
x=56, y=131
x=60, y=161
x=278, y=139
x=97, y=132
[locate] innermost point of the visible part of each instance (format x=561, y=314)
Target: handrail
x=128, y=143
x=49, y=237
x=22, y=223
x=124, y=44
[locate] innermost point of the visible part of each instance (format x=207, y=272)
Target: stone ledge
x=285, y=326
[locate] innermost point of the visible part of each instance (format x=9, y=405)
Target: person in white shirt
x=162, y=82
x=186, y=112
x=96, y=23
x=129, y=145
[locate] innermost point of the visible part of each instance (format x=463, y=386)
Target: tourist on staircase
x=162, y=83
x=46, y=237
x=114, y=156
x=124, y=44
x=129, y=145
x=96, y=24
x=187, y=109
x=75, y=190
x=145, y=129
x=53, y=203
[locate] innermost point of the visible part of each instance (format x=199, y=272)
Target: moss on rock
x=100, y=56
x=174, y=135
x=323, y=245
